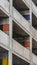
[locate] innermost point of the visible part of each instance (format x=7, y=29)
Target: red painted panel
x=5, y=27
x=27, y=44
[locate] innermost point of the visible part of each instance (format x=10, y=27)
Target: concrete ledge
x=4, y=7
x=34, y=9
x=4, y=38
x=20, y=50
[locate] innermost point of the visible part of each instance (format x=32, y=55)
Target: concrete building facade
x=18, y=32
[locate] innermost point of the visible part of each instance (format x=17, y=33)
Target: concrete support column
x=30, y=34
x=30, y=43
x=10, y=24
x=30, y=12
x=11, y=2
x=9, y=58
x=30, y=50
x=10, y=34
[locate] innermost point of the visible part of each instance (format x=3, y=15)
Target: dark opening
x=34, y=21
x=35, y=2
x=20, y=35
x=22, y=8
x=34, y=46
x=3, y=56
x=19, y=61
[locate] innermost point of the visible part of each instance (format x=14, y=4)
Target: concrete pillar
x=30, y=34
x=30, y=50
x=10, y=24
x=9, y=58
x=10, y=10
x=30, y=12
x=10, y=34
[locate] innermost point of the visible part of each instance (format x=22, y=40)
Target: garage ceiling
x=2, y=50
x=2, y=14
x=35, y=1
x=34, y=46
x=19, y=61
x=34, y=20
x=19, y=30
x=19, y=5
